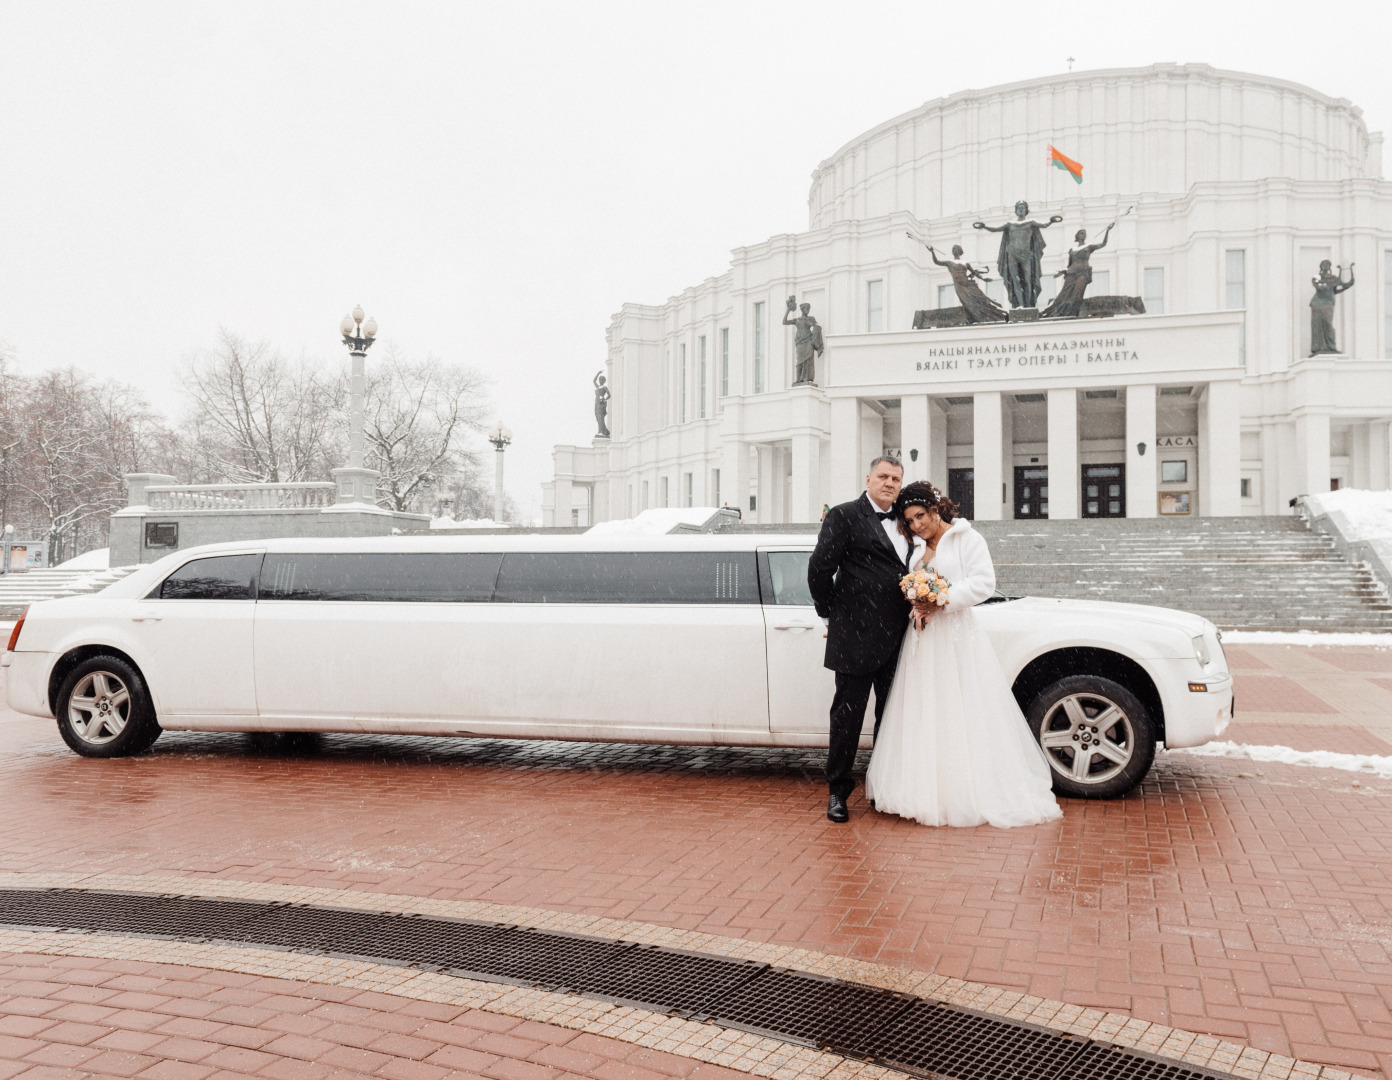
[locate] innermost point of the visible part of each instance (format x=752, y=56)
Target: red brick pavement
x=72, y=1017
x=1250, y=902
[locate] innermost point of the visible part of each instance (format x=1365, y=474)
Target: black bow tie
x=885, y=516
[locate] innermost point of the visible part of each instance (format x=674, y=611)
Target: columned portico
x=988, y=463
x=1063, y=452
x=915, y=427
x=1220, y=450
x=1141, y=488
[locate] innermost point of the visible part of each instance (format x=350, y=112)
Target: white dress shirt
x=891, y=528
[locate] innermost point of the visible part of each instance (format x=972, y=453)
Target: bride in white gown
x=953, y=747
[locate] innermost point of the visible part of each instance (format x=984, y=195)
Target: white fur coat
x=963, y=558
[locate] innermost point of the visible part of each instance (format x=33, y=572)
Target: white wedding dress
x=953, y=747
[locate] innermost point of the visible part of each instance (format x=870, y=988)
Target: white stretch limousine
x=682, y=639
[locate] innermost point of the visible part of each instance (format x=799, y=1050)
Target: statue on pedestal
x=601, y=405
x=807, y=342
x=1077, y=277
x=1327, y=286
x=979, y=307
x=1021, y=251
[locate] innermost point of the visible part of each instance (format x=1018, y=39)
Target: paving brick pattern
x=1250, y=903
x=74, y=1016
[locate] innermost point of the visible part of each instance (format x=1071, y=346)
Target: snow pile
x=470, y=523
x=90, y=560
x=656, y=522
x=1372, y=764
x=1307, y=637
x=1367, y=514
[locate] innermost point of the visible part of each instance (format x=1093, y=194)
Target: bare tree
x=418, y=417
x=259, y=417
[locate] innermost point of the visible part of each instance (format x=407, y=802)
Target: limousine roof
x=520, y=542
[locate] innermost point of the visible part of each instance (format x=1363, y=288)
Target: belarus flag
x=1067, y=164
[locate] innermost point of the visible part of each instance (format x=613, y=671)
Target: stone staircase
x=1244, y=573
x=17, y=591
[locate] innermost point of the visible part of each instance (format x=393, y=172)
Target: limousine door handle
x=146, y=618
x=792, y=626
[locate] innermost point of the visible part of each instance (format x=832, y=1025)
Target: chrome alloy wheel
x=99, y=707
x=1087, y=738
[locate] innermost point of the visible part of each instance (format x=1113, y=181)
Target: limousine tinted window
x=642, y=577
x=461, y=577
x=788, y=578
x=224, y=577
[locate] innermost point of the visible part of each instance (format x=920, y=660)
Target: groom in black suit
x=854, y=577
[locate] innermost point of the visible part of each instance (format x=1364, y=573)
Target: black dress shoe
x=836, y=810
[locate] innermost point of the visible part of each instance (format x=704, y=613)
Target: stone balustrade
x=291, y=496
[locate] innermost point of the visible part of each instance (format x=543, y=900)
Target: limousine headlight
x=1201, y=651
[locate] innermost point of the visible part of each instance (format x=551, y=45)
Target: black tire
x=104, y=709
x=1102, y=760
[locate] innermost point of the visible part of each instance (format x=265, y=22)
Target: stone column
x=1220, y=451
x=988, y=469
x=734, y=476
x=1141, y=470
x=871, y=441
x=1063, y=453
x=807, y=478
x=766, y=502
x=561, y=501
x=1379, y=475
x=1311, y=452
x=915, y=426
x=937, y=436
x=844, y=456
x=136, y=485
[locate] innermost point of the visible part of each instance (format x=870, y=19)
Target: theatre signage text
x=1146, y=347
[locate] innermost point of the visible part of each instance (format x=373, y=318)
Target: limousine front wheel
x=1097, y=736
x=104, y=710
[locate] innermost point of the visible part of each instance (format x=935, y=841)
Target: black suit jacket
x=854, y=577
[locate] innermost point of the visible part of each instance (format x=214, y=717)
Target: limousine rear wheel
x=1098, y=738
x=104, y=710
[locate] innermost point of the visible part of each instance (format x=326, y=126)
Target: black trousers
x=847, y=717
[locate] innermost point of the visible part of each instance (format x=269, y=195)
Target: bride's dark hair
x=921, y=493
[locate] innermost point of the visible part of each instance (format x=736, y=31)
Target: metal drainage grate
x=913, y=1035
x=809, y=1009
x=1101, y=1062
x=687, y=984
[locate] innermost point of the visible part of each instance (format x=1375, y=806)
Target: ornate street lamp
x=501, y=438
x=357, y=483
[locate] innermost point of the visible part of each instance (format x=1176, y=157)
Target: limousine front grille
x=913, y=1035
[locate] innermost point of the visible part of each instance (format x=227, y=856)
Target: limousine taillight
x=14, y=634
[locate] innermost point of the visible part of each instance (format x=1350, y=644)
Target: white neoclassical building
x=1227, y=189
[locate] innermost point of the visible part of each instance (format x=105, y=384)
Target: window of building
x=1048, y=289
x=1387, y=306
x=1246, y=487
x=1174, y=472
x=645, y=496
x=701, y=376
x=995, y=289
x=381, y=577
x=688, y=490
x=724, y=361
x=874, y=306
x=630, y=500
x=760, y=334
x=1153, y=289
x=1235, y=294
x=662, y=492
x=947, y=296
x=644, y=577
x=715, y=487
x=1101, y=283
x=681, y=379
x=226, y=577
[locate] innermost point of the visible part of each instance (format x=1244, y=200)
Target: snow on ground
x=655, y=522
x=1378, y=765
x=1307, y=637
x=1368, y=513
x=469, y=523
x=90, y=560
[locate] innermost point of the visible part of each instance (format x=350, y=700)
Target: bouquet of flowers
x=924, y=587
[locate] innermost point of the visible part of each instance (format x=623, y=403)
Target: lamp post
x=500, y=437
x=357, y=483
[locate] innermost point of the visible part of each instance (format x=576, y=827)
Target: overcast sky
x=492, y=181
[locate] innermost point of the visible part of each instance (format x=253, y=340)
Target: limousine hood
x=1106, y=611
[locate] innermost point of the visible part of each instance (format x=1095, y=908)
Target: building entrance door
x=1031, y=491
x=1104, y=491
x=961, y=489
